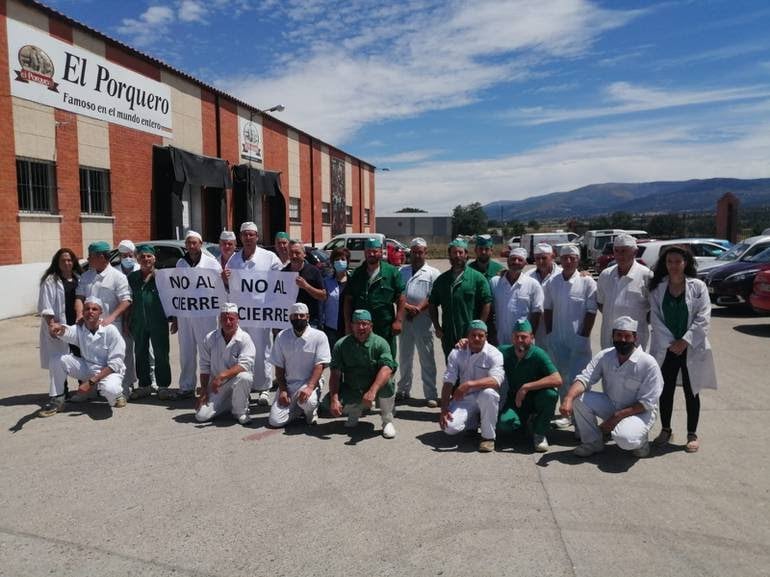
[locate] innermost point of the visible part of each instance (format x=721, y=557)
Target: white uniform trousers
x=263, y=370
x=479, y=407
x=191, y=332
x=110, y=387
x=233, y=396
x=280, y=416
x=387, y=409
x=630, y=433
x=417, y=334
x=570, y=356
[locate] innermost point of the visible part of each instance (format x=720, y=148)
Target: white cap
x=522, y=252
x=228, y=308
x=126, y=246
x=95, y=300
x=624, y=240
x=569, y=249
x=625, y=324
x=227, y=235
x=193, y=234
x=248, y=225
x=299, y=309
x=419, y=241
x=543, y=248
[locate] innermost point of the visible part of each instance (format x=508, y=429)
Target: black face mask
x=299, y=325
x=624, y=348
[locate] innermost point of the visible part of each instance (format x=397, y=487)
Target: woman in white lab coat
x=680, y=314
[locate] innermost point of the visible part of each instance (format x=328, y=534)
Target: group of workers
x=516, y=342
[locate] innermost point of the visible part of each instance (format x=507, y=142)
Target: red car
x=760, y=297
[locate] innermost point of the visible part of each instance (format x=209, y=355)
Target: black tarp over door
x=250, y=187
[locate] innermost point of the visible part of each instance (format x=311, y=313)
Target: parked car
x=746, y=248
x=732, y=283
x=314, y=256
x=607, y=258
x=704, y=250
x=760, y=295
x=167, y=252
x=513, y=242
x=593, y=241
x=531, y=239
x=354, y=242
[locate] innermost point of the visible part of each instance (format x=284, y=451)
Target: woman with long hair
x=57, y=304
x=680, y=311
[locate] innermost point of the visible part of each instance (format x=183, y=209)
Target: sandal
x=692, y=445
x=663, y=438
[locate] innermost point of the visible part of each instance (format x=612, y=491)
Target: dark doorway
x=257, y=197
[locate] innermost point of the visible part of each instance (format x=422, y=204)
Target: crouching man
x=227, y=363
x=632, y=383
x=470, y=396
x=299, y=356
x=101, y=365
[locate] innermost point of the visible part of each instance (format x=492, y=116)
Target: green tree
x=622, y=219
x=516, y=228
x=469, y=219
x=410, y=209
x=665, y=226
x=533, y=224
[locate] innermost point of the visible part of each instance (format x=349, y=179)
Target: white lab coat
x=50, y=301
x=541, y=338
x=624, y=296
x=514, y=302
x=700, y=358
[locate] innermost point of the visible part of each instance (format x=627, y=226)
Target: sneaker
x=643, y=451
x=263, y=398
x=563, y=423
x=663, y=438
x=352, y=421
x=588, y=449
x=181, y=395
x=389, y=431
x=432, y=404
x=540, y=443
x=53, y=406
x=402, y=397
x=693, y=444
x=120, y=402
x=312, y=419
x=486, y=445
x=244, y=419
x=166, y=394
x=140, y=393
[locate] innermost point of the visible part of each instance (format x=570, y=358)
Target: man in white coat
x=127, y=265
x=100, y=366
x=517, y=297
x=254, y=258
x=622, y=291
x=299, y=355
x=470, y=396
x=193, y=330
x=417, y=328
x=631, y=384
x=545, y=270
x=227, y=362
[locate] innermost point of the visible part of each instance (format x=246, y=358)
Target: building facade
x=102, y=142
x=436, y=229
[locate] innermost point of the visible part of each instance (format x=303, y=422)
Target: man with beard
x=309, y=280
x=517, y=297
x=376, y=286
x=463, y=295
x=282, y=247
x=484, y=263
x=631, y=385
x=532, y=383
x=544, y=271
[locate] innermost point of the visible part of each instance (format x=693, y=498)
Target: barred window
x=94, y=191
x=367, y=215
x=348, y=214
x=294, y=210
x=36, y=185
x=326, y=213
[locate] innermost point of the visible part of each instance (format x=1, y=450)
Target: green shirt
x=535, y=365
x=146, y=307
x=493, y=268
x=378, y=296
x=460, y=300
x=675, y=314
x=359, y=364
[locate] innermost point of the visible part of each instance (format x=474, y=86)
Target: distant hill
x=642, y=197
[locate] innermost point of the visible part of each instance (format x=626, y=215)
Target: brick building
x=103, y=142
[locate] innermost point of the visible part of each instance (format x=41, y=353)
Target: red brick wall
x=358, y=205
x=228, y=130
x=318, y=184
x=277, y=160
x=305, y=181
x=370, y=175
x=68, y=179
x=209, y=122
x=118, y=56
x=10, y=248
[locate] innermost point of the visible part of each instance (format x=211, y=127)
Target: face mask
x=128, y=262
x=340, y=265
x=299, y=325
x=623, y=348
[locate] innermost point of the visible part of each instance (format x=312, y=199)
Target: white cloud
x=409, y=156
x=146, y=29
x=192, y=11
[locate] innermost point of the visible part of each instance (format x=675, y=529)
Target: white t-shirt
x=298, y=355
x=514, y=302
x=570, y=300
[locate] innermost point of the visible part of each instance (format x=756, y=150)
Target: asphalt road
x=148, y=491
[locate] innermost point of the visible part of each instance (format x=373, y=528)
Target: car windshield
x=763, y=256
x=734, y=253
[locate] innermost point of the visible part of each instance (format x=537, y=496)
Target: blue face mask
x=340, y=265
x=127, y=262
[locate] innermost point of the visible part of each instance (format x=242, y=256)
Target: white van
x=594, y=240
x=531, y=239
x=354, y=242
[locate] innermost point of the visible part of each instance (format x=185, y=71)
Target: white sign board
x=263, y=298
x=46, y=70
x=190, y=292
x=250, y=139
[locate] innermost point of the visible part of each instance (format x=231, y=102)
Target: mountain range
x=635, y=198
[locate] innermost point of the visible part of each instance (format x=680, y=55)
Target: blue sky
x=485, y=100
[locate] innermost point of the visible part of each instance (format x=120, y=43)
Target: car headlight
x=743, y=275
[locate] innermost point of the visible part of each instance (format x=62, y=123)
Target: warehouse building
x=404, y=226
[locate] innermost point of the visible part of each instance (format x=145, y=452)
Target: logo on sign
x=250, y=145
x=36, y=66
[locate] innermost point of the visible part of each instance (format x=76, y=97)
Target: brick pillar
x=727, y=217
x=68, y=179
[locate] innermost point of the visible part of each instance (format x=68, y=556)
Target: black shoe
x=53, y=406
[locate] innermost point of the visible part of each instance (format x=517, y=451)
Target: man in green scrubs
x=463, y=295
x=484, y=263
x=376, y=286
x=533, y=383
x=362, y=369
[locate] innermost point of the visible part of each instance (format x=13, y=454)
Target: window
x=94, y=191
x=36, y=185
x=348, y=214
x=326, y=213
x=294, y=211
x=367, y=216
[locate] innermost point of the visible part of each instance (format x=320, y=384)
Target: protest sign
x=190, y=292
x=263, y=298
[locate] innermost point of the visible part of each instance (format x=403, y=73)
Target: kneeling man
x=533, y=381
x=227, y=365
x=470, y=395
x=299, y=356
x=632, y=383
x=362, y=369
x=101, y=365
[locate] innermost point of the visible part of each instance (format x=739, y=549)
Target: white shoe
x=563, y=423
x=389, y=431
x=263, y=398
x=541, y=444
x=120, y=402
x=312, y=419
x=588, y=449
x=244, y=419
x=351, y=422
x=643, y=451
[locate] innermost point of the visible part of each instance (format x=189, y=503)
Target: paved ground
x=147, y=491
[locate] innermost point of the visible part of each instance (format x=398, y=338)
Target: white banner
x=263, y=298
x=190, y=292
x=250, y=139
x=46, y=70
